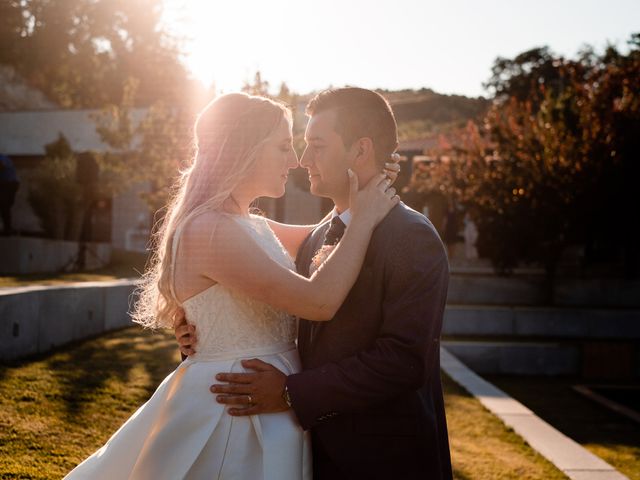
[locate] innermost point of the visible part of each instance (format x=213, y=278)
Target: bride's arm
x=232, y=258
x=292, y=236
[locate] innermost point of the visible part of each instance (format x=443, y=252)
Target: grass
x=612, y=437
x=483, y=448
x=57, y=409
x=123, y=265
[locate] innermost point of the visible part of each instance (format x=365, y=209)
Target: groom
x=370, y=389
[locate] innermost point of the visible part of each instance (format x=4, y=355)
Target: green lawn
x=57, y=409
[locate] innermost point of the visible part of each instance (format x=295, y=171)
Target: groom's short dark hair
x=360, y=113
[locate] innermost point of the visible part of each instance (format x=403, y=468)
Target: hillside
x=424, y=112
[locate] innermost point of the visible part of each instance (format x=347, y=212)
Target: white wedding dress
x=181, y=432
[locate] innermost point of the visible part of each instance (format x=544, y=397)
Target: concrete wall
x=21, y=255
x=129, y=218
x=491, y=321
x=530, y=290
x=37, y=319
x=506, y=358
x=592, y=343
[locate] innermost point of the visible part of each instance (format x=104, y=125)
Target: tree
x=258, y=87
x=150, y=151
x=109, y=55
x=56, y=196
x=610, y=116
x=521, y=76
x=553, y=162
x=82, y=52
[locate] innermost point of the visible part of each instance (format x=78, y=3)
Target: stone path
x=567, y=455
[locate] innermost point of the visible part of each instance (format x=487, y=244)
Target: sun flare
x=223, y=40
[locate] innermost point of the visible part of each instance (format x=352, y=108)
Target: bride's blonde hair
x=229, y=134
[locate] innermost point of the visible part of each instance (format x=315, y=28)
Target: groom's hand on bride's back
x=252, y=393
x=185, y=334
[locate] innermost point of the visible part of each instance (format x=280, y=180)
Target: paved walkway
x=568, y=456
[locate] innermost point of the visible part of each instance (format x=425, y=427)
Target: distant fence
x=36, y=319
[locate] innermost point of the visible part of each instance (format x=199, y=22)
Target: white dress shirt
x=344, y=216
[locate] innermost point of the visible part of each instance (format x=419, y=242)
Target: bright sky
x=449, y=45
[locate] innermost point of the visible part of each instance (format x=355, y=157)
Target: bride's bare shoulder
x=211, y=227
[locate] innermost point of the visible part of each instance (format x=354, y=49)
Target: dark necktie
x=335, y=232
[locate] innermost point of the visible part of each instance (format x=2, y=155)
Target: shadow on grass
x=583, y=420
x=86, y=371
x=458, y=475
x=555, y=401
x=450, y=387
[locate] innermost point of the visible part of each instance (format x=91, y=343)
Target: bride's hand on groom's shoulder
x=185, y=334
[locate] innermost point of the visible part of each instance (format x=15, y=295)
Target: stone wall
x=34, y=320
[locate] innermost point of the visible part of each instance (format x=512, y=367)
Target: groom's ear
x=363, y=152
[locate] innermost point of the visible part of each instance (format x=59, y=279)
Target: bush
x=55, y=195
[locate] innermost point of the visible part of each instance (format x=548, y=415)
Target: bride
x=238, y=286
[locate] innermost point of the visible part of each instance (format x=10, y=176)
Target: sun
x=221, y=46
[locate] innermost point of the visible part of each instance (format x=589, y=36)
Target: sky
x=448, y=46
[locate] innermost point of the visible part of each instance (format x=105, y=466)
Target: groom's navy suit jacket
x=370, y=389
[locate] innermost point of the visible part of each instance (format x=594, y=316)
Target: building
x=23, y=136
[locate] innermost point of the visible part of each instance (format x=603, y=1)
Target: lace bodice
x=229, y=321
